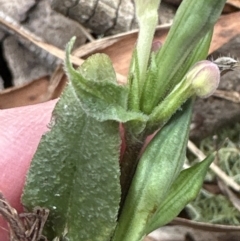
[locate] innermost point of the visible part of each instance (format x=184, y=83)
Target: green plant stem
x=129, y=163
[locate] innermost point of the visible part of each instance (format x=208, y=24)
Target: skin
x=20, y=132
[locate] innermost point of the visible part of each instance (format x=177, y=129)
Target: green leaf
x=75, y=173
x=194, y=19
x=147, y=16
x=134, y=85
x=98, y=92
x=185, y=188
x=199, y=53
x=159, y=165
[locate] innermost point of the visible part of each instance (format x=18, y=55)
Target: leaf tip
x=69, y=47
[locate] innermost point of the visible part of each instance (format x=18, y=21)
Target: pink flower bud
x=204, y=77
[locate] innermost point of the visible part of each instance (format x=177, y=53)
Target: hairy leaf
x=99, y=94
x=75, y=171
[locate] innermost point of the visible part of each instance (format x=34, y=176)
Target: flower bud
x=204, y=77
x=201, y=80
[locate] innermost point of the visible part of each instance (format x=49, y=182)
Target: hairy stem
x=129, y=163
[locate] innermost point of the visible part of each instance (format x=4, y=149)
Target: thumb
x=20, y=132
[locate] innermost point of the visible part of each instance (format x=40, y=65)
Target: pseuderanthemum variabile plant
x=77, y=172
